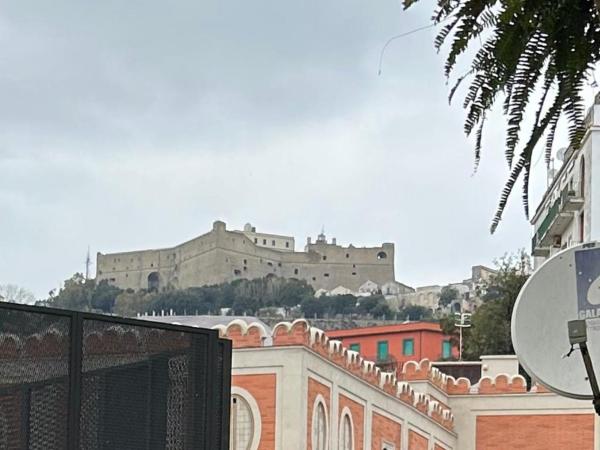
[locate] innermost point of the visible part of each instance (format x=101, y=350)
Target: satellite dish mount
x=578, y=336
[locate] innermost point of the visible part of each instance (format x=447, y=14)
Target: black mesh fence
x=72, y=380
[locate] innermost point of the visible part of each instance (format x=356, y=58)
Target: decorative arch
x=253, y=414
x=346, y=431
x=320, y=424
x=153, y=281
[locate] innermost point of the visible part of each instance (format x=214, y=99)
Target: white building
x=566, y=215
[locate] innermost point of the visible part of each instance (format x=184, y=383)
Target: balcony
x=554, y=224
x=571, y=199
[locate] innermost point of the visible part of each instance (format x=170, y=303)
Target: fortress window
x=354, y=266
x=245, y=261
x=256, y=240
x=264, y=242
x=273, y=242
x=112, y=280
x=237, y=272
x=381, y=255
x=279, y=264
x=324, y=258
x=347, y=255
x=295, y=271
x=353, y=273
x=287, y=245
x=326, y=275
x=115, y=260
x=314, y=278
x=245, y=268
x=151, y=264
x=270, y=264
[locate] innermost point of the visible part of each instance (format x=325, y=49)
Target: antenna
x=88, y=263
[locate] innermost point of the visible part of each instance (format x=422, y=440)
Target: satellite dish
x=564, y=289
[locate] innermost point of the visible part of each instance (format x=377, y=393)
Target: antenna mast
x=88, y=263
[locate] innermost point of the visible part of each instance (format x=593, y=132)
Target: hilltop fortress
x=223, y=255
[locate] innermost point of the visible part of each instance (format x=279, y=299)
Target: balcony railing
x=557, y=218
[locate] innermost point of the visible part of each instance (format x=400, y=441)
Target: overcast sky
x=135, y=124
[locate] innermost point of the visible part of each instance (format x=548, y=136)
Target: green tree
x=530, y=55
x=76, y=294
x=448, y=295
x=415, y=312
x=490, y=330
x=314, y=307
x=104, y=296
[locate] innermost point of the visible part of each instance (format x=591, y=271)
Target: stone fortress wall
x=222, y=255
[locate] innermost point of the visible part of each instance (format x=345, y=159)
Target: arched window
x=346, y=438
x=582, y=177
x=242, y=424
x=319, y=427
x=381, y=255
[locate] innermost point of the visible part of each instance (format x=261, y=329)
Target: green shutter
x=355, y=347
x=446, y=349
x=382, y=351
x=408, y=347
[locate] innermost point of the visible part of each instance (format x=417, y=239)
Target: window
x=581, y=226
x=295, y=271
x=237, y=272
x=273, y=242
x=446, y=349
x=388, y=446
x=345, y=441
x=326, y=275
x=408, y=347
x=242, y=424
x=381, y=255
x=319, y=427
x=347, y=255
x=256, y=240
x=382, y=351
x=324, y=258
x=353, y=273
x=264, y=242
x=287, y=244
x=245, y=261
x=355, y=347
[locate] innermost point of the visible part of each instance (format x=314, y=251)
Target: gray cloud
x=135, y=124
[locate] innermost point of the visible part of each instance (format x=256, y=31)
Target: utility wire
x=398, y=36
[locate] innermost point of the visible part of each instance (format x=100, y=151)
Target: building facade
x=222, y=256
x=567, y=214
x=303, y=391
x=390, y=346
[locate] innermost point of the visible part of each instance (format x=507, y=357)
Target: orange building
x=293, y=388
x=393, y=345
